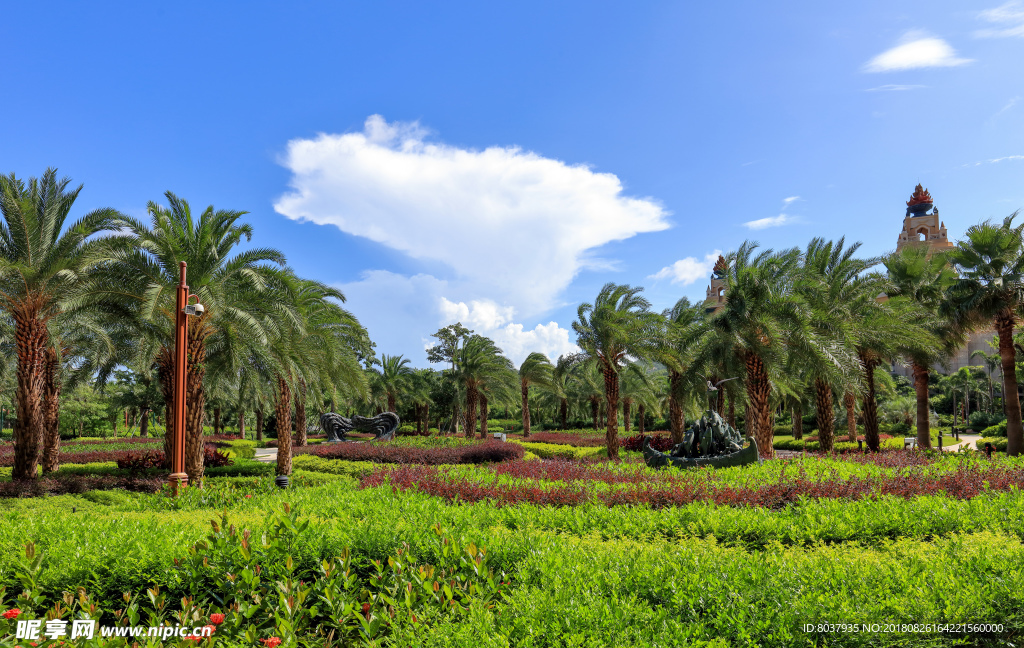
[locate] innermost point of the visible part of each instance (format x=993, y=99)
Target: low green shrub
x=997, y=430
x=998, y=443
x=313, y=463
x=559, y=451
x=984, y=420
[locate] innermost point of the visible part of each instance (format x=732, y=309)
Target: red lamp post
x=178, y=476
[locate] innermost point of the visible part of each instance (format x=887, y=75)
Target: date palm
x=44, y=260
x=475, y=360
x=141, y=275
x=395, y=377
x=684, y=328
x=990, y=263
x=923, y=278
x=619, y=325
x=536, y=369
x=761, y=323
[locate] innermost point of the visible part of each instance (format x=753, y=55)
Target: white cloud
x=786, y=202
x=1011, y=158
x=688, y=270
x=894, y=87
x=401, y=312
x=771, y=221
x=1009, y=104
x=916, y=50
x=1011, y=18
x=540, y=218
x=488, y=318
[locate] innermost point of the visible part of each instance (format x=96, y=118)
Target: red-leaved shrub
x=636, y=443
x=386, y=453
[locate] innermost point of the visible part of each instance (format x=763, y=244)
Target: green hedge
x=559, y=451
x=999, y=443
x=313, y=463
x=997, y=430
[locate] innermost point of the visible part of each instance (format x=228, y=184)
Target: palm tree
x=684, y=329
x=636, y=387
x=762, y=321
x=395, y=376
x=991, y=361
x=616, y=327
x=141, y=275
x=476, y=359
x=42, y=265
x=536, y=369
x=923, y=279
x=990, y=262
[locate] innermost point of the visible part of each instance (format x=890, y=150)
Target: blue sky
x=498, y=162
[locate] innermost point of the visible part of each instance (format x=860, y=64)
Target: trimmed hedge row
x=388, y=453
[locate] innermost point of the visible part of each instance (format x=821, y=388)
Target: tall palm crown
x=684, y=328
x=617, y=326
x=142, y=274
x=535, y=370
x=43, y=263
x=990, y=262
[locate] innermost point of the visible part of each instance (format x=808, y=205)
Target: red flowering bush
x=138, y=461
x=11, y=614
x=636, y=443
x=964, y=483
x=386, y=453
x=70, y=484
x=216, y=619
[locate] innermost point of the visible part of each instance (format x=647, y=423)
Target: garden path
x=268, y=455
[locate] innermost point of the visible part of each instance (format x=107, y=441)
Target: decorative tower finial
x=720, y=266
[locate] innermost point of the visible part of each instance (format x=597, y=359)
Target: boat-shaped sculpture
x=709, y=442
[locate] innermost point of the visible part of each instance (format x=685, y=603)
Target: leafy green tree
x=617, y=326
x=43, y=260
x=476, y=360
x=536, y=369
x=990, y=263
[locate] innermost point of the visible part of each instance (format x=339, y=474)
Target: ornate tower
x=716, y=291
x=921, y=227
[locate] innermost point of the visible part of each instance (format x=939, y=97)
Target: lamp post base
x=176, y=481
x=281, y=481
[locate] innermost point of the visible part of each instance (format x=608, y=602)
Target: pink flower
x=12, y=613
x=217, y=619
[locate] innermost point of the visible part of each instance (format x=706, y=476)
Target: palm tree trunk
x=259, y=423
x=563, y=411
x=593, y=411
x=676, y=424
x=241, y=423
x=392, y=405
x=870, y=405
x=30, y=336
x=732, y=411
x=758, y=414
x=924, y=434
x=144, y=422
x=216, y=420
x=851, y=416
x=823, y=405
x=471, y=400
x=195, y=404
x=641, y=413
x=524, y=387
x=165, y=373
x=51, y=440
x=626, y=406
x=426, y=417
x=720, y=402
x=300, y=414
x=798, y=422
x=283, y=412
x=611, y=397
x=483, y=415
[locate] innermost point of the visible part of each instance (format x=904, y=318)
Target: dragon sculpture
x=336, y=426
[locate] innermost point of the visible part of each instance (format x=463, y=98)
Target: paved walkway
x=950, y=444
x=268, y=455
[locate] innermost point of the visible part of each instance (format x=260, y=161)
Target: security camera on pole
x=178, y=476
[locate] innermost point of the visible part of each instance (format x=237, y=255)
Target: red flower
x=213, y=628
x=12, y=613
x=217, y=619
x=273, y=642
x=366, y=608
